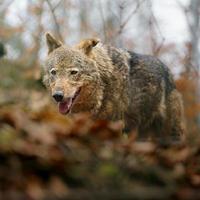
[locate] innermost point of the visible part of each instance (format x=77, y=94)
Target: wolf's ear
x=52, y=43
x=87, y=45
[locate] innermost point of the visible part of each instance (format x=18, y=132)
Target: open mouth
x=66, y=105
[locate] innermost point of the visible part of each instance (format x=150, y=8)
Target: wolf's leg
x=176, y=115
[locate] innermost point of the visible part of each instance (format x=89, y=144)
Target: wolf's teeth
x=66, y=106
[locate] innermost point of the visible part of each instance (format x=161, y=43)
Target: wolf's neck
x=112, y=98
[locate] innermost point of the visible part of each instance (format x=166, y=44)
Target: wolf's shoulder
x=119, y=57
x=141, y=65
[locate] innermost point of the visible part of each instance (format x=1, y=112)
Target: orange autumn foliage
x=187, y=85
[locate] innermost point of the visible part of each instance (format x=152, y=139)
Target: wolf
x=114, y=84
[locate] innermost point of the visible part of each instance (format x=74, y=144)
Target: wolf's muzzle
x=58, y=96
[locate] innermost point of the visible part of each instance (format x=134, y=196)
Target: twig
x=122, y=26
x=52, y=9
x=103, y=20
x=159, y=47
x=57, y=5
x=4, y=7
x=192, y=28
x=185, y=10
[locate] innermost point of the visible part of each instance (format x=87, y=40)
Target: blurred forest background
x=47, y=156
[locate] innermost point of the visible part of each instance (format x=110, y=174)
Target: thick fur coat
x=114, y=84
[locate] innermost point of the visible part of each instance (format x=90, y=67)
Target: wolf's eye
x=53, y=71
x=74, y=71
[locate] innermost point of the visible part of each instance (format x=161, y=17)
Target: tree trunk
x=194, y=25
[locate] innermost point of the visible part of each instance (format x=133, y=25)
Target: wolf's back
x=154, y=102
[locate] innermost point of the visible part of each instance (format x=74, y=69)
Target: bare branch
x=52, y=9
x=103, y=20
x=186, y=12
x=6, y=5
x=159, y=47
x=191, y=12
x=122, y=25
x=59, y=2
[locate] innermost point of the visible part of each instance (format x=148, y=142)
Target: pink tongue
x=64, y=107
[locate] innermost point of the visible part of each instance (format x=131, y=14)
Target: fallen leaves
x=48, y=156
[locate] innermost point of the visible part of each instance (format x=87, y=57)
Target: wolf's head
x=71, y=74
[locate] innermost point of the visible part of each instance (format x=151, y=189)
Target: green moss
x=108, y=170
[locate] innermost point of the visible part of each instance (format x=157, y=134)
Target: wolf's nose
x=58, y=96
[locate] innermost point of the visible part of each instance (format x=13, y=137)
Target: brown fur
x=117, y=85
